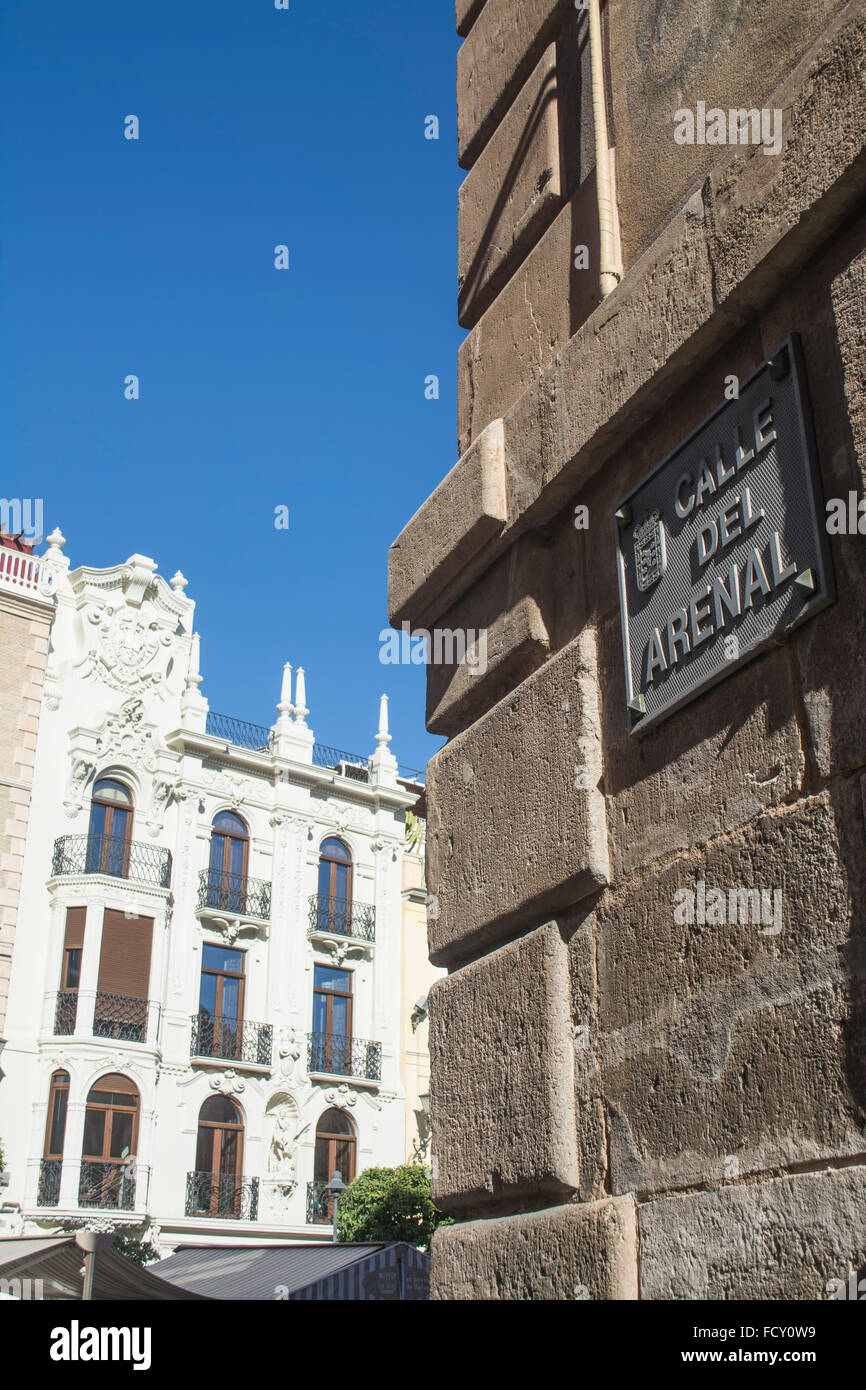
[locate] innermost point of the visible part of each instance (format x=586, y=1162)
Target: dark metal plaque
x=723, y=548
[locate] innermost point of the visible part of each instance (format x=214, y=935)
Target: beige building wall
x=25, y=623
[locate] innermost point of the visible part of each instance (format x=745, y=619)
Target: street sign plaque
x=723, y=548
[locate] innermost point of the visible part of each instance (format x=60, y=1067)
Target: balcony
x=224, y=1197
x=65, y=1013
x=106, y=1185
x=333, y=1055
x=116, y=1016
x=338, y=917
x=48, y=1192
x=320, y=1212
x=231, y=1040
x=235, y=895
x=147, y=865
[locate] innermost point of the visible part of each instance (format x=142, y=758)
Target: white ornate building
x=204, y=1008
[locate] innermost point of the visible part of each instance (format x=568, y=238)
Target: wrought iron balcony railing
x=249, y=897
x=65, y=1013
x=118, y=1016
x=342, y=918
x=48, y=1192
x=224, y=1196
x=113, y=855
x=320, y=1212
x=231, y=1039
x=334, y=1055
x=352, y=765
x=107, y=1185
x=238, y=731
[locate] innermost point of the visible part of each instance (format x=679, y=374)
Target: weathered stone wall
x=625, y=1105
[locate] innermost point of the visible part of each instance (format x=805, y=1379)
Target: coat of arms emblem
x=650, y=551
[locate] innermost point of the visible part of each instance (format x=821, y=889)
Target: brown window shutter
x=74, y=938
x=124, y=961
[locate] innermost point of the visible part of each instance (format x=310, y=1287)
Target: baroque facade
x=204, y=1011
x=661, y=241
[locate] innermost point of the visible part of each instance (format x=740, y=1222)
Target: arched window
x=335, y=887
x=110, y=828
x=335, y=1146
x=108, y=1148
x=55, y=1133
x=335, y=1153
x=215, y=1187
x=227, y=873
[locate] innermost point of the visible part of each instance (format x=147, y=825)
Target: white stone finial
x=383, y=738
x=300, y=707
x=193, y=678
x=285, y=705
x=57, y=540
x=178, y=582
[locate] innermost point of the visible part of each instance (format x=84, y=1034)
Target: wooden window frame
x=112, y=1108
x=56, y=1087
x=219, y=1016
x=107, y=835
x=222, y=876
x=334, y=864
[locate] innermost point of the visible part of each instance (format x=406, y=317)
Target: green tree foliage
x=390, y=1204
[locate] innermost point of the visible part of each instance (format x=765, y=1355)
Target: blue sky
x=259, y=388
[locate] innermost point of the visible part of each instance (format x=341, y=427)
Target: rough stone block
x=511, y=194
x=467, y=13
x=832, y=650
x=727, y=756
x=467, y=508
x=502, y=47
x=569, y=1252
x=736, y=1045
x=755, y=201
x=785, y=1238
x=516, y=825
x=511, y=607
x=502, y=1082
x=718, y=51
x=535, y=314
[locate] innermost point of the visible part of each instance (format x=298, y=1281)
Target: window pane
x=343, y=1149
x=207, y=995
x=219, y=1110
x=341, y=881
x=320, y=1013
x=236, y=861
x=339, y=1017
x=229, y=1156
x=97, y=819
x=231, y=997
x=204, y=1150
x=73, y=968
x=94, y=1130
x=218, y=958
x=107, y=790
x=58, y=1123
x=230, y=824
x=335, y=849
x=326, y=978
x=121, y=1134
x=334, y=1122
x=216, y=853
x=320, y=1170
